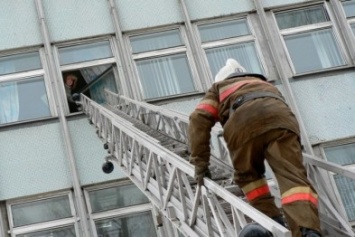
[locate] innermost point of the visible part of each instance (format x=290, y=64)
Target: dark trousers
x=281, y=148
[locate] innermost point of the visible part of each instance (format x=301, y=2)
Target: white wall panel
x=32, y=160
x=89, y=153
x=18, y=24
x=327, y=106
x=184, y=107
x=68, y=19
x=140, y=14
x=199, y=9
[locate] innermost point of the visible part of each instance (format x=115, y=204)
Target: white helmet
x=231, y=66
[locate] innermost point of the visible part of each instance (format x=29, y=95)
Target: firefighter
x=257, y=125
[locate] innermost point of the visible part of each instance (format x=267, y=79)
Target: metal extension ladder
x=149, y=144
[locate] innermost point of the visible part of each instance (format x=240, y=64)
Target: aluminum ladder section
x=167, y=179
x=334, y=222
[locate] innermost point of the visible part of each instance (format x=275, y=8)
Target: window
x=309, y=39
x=162, y=64
x=52, y=216
x=230, y=39
x=88, y=69
x=349, y=9
x=23, y=92
x=344, y=155
x=20, y=63
x=86, y=52
x=121, y=211
x=133, y=225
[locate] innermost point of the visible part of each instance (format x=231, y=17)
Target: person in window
x=70, y=83
x=257, y=125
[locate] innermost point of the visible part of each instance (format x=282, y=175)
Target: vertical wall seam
x=123, y=55
x=285, y=82
x=194, y=48
x=63, y=123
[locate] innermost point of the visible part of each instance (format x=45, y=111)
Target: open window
x=88, y=69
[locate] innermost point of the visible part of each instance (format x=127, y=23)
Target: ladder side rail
x=181, y=121
x=175, y=125
x=163, y=154
x=329, y=166
x=315, y=162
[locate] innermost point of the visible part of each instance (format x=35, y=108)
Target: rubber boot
x=309, y=232
x=254, y=230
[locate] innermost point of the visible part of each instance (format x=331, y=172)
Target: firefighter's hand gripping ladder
x=165, y=177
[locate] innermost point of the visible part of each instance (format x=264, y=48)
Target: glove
x=200, y=175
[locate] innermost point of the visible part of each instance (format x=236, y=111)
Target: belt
x=251, y=96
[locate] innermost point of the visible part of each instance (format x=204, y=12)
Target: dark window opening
x=91, y=82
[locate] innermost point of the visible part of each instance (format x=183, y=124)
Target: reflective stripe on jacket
x=249, y=120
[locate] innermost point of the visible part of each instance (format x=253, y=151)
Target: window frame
x=185, y=48
x=42, y=226
x=331, y=24
x=349, y=20
x=232, y=41
x=119, y=212
x=86, y=64
x=332, y=174
x=27, y=75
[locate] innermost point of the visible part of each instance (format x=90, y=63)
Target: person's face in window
x=70, y=81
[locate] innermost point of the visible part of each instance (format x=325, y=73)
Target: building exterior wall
x=116, y=39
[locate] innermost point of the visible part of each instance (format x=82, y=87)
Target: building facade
x=164, y=52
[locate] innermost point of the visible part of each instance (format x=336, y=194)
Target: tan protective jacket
x=251, y=119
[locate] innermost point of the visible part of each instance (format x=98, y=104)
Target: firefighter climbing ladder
x=148, y=143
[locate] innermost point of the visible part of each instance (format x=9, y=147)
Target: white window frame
x=350, y=20
x=86, y=64
x=14, y=231
x=116, y=212
x=309, y=28
x=23, y=76
x=185, y=48
x=231, y=41
x=332, y=174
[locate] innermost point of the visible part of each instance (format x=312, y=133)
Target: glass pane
x=59, y=232
x=20, y=63
x=86, y=52
x=353, y=28
x=105, y=81
x=244, y=53
x=155, y=41
x=136, y=225
x=223, y=30
x=165, y=76
x=301, y=17
x=41, y=211
x=23, y=100
x=313, y=51
x=117, y=197
x=349, y=8
x=341, y=155
x=346, y=188
x=91, y=81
